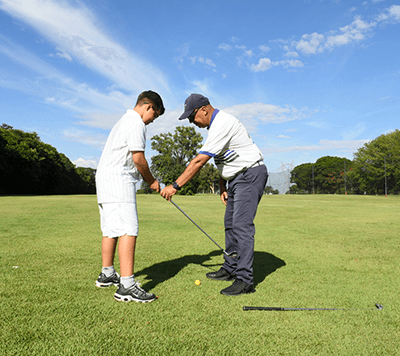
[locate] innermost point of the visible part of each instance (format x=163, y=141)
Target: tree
x=269, y=190
x=302, y=176
x=30, y=166
x=376, y=158
x=175, y=151
x=88, y=178
x=209, y=179
x=329, y=175
x=145, y=188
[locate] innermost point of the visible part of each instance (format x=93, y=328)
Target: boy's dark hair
x=151, y=97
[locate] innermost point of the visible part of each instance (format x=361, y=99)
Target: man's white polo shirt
x=230, y=144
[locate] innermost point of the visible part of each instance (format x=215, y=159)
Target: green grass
x=311, y=251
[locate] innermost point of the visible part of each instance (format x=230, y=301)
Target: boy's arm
x=142, y=166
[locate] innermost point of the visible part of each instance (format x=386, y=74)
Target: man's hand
x=191, y=170
x=168, y=192
x=155, y=186
x=224, y=197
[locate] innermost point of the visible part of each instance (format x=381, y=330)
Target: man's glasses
x=193, y=115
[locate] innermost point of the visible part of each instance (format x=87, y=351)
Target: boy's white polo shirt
x=116, y=174
x=230, y=144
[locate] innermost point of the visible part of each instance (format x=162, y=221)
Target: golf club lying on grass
x=378, y=307
x=230, y=254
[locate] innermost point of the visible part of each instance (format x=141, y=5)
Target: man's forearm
x=192, y=169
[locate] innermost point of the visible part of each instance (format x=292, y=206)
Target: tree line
x=29, y=166
x=375, y=169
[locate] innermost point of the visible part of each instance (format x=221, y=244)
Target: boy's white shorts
x=118, y=219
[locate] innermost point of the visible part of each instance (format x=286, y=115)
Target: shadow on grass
x=264, y=265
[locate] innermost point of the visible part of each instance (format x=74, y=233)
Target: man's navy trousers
x=244, y=193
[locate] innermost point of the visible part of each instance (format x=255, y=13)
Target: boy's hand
x=155, y=186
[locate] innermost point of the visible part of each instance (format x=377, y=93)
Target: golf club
x=378, y=307
x=230, y=254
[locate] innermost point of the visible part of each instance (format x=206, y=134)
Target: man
x=121, y=164
x=240, y=164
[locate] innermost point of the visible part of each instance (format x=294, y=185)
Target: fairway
x=314, y=251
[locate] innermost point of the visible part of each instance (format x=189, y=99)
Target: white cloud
x=264, y=48
x=86, y=163
x=356, y=31
x=85, y=137
x=324, y=145
x=75, y=31
x=56, y=88
x=165, y=123
x=201, y=86
x=182, y=52
x=314, y=43
x=263, y=65
x=291, y=54
x=225, y=47
x=246, y=52
x=351, y=133
x=100, y=120
x=62, y=54
x=208, y=62
x=311, y=44
x=289, y=63
x=394, y=12
x=266, y=112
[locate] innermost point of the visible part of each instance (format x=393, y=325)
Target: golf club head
x=379, y=306
x=231, y=254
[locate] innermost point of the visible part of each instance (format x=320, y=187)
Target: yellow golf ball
x=197, y=282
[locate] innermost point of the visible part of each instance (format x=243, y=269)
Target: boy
x=121, y=164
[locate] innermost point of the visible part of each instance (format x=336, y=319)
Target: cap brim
x=185, y=115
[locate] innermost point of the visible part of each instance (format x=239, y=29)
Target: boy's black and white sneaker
x=133, y=294
x=104, y=281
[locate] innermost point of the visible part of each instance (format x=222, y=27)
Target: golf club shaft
x=286, y=309
x=378, y=307
x=199, y=227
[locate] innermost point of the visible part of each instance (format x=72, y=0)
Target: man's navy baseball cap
x=193, y=102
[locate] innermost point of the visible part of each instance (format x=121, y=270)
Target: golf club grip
x=263, y=308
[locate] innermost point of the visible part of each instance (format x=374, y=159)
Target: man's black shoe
x=220, y=275
x=238, y=287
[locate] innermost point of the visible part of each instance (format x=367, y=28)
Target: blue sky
x=308, y=78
